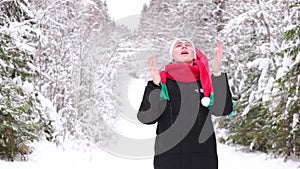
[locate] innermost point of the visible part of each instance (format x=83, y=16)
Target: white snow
x=286, y=62
x=27, y=87
x=235, y=158
x=48, y=156
x=246, y=111
x=268, y=90
x=295, y=121
x=262, y=63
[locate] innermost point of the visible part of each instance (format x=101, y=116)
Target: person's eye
x=188, y=45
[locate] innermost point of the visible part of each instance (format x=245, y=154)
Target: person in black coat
x=181, y=100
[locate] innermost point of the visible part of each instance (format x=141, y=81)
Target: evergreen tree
x=261, y=123
x=286, y=93
x=65, y=29
x=98, y=105
x=21, y=118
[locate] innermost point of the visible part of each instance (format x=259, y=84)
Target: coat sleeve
x=222, y=105
x=151, y=106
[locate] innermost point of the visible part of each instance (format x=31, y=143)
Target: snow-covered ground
x=75, y=154
x=48, y=156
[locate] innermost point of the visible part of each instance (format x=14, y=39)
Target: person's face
x=183, y=52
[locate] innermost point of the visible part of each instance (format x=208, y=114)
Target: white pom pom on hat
x=205, y=101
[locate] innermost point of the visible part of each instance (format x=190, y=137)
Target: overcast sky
x=119, y=9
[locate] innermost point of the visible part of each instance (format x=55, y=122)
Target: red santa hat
x=205, y=78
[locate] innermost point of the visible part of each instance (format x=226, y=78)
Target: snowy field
x=48, y=156
x=76, y=155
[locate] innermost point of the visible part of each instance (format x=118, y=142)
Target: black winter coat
x=185, y=135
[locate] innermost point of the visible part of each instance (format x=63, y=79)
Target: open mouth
x=184, y=52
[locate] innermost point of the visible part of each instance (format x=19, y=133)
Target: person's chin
x=184, y=60
x=187, y=59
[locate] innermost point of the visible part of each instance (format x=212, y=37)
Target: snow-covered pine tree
x=143, y=22
x=254, y=36
x=285, y=124
x=158, y=24
x=204, y=20
x=200, y=21
x=57, y=50
x=99, y=105
x=65, y=27
x=21, y=118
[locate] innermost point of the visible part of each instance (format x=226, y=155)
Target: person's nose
x=184, y=47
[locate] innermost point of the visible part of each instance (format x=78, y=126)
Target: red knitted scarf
x=190, y=73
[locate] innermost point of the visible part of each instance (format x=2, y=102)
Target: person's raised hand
x=154, y=70
x=217, y=58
